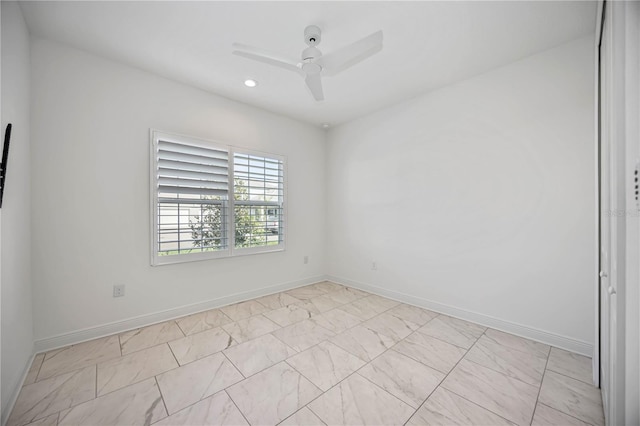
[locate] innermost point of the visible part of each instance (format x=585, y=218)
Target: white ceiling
x=426, y=44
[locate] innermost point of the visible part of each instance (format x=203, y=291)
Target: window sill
x=226, y=254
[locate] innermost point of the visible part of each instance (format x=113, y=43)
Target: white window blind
x=187, y=169
x=202, y=194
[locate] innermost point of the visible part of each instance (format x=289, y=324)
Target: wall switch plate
x=306, y=260
x=118, y=290
x=636, y=184
x=374, y=266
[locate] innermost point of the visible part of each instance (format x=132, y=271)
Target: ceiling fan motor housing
x=312, y=35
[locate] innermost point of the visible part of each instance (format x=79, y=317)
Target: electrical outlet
x=118, y=290
x=306, y=260
x=374, y=266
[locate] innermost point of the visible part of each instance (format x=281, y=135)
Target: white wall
x=90, y=220
x=478, y=196
x=17, y=323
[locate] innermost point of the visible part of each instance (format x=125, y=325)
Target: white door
x=612, y=221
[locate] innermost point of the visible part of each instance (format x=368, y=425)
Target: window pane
x=258, y=225
x=258, y=195
x=190, y=228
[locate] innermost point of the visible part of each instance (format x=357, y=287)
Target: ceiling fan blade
x=314, y=83
x=345, y=57
x=267, y=57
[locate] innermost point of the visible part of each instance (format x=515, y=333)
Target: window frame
x=230, y=250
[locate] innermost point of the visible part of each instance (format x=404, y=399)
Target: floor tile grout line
x=354, y=372
x=384, y=390
x=464, y=357
x=126, y=386
x=506, y=375
x=366, y=363
x=508, y=347
x=224, y=389
x=174, y=356
x=186, y=363
x=278, y=327
x=530, y=352
x=203, y=313
x=234, y=366
x=215, y=393
x=442, y=340
x=517, y=351
x=439, y=339
x=566, y=414
x=334, y=334
x=193, y=403
x=208, y=396
x=443, y=379
x=293, y=414
x=557, y=409
x=322, y=392
x=539, y=387
x=284, y=343
x=178, y=324
x=39, y=368
x=535, y=407
x=120, y=343
x=416, y=360
x=359, y=324
x=466, y=399
x=161, y=397
x=248, y=377
x=234, y=403
x=140, y=380
x=155, y=345
x=67, y=408
x=58, y=375
x=570, y=377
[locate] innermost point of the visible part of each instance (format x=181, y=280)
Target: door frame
x=595, y=360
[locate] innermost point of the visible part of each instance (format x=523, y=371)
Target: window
x=213, y=201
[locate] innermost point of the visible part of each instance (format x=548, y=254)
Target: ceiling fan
x=313, y=64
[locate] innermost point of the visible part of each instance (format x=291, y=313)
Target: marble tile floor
x=320, y=354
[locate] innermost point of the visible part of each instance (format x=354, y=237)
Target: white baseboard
x=16, y=391
x=115, y=327
x=552, y=339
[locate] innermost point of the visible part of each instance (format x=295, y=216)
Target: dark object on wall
x=5, y=160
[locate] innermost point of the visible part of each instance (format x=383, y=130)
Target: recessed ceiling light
x=250, y=83
x=325, y=125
